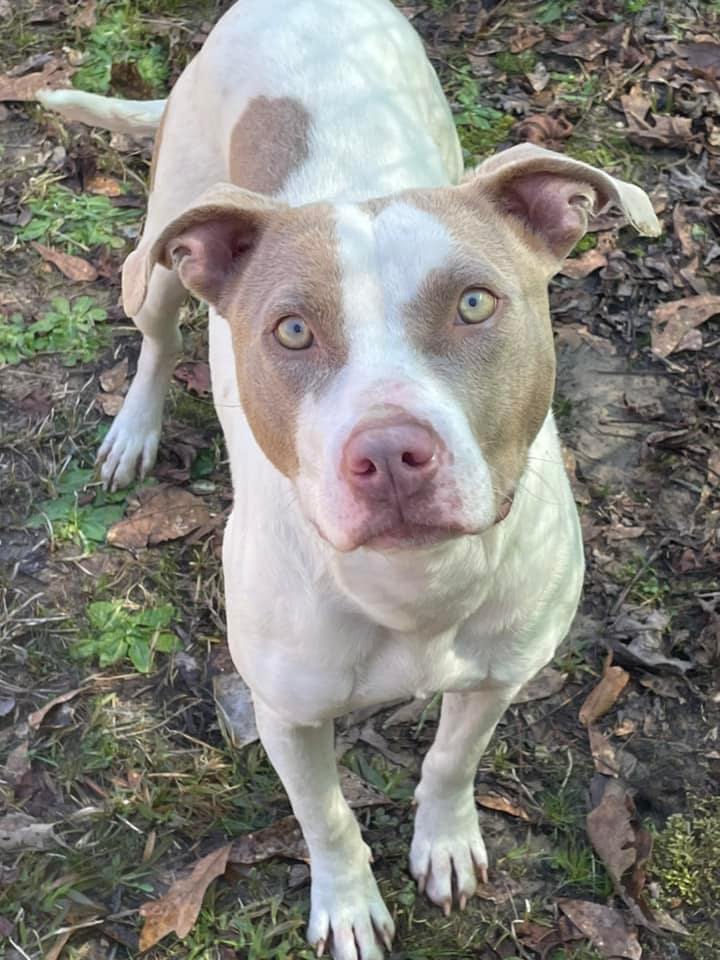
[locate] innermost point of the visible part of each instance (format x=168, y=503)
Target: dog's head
x=394, y=357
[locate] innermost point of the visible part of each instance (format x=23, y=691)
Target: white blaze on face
x=385, y=259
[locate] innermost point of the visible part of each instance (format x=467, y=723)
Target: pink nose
x=390, y=462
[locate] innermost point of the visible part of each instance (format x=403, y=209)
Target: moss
x=515, y=63
x=686, y=857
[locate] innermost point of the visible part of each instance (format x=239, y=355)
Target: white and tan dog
x=382, y=365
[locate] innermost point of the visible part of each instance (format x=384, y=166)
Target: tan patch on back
x=293, y=270
x=502, y=370
x=268, y=143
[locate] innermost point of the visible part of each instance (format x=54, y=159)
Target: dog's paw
x=348, y=917
x=129, y=450
x=447, y=854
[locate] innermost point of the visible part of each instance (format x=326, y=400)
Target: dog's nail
x=319, y=948
x=483, y=875
x=446, y=907
x=387, y=940
x=421, y=883
x=463, y=901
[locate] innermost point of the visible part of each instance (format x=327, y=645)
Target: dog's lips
x=412, y=536
x=505, y=508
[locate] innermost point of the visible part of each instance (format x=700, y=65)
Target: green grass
x=480, y=128
x=78, y=511
x=72, y=329
x=76, y=222
x=648, y=588
x=121, y=38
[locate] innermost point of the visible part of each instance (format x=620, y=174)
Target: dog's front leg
x=346, y=907
x=447, y=851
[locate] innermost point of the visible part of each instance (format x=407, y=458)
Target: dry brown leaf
x=604, y=695
x=580, y=267
x=663, y=131
x=58, y=946
x=281, y=839
x=37, y=717
x=491, y=801
x=548, y=682
x=604, y=927
x=74, y=268
x=179, y=908
x=195, y=375
x=55, y=74
x=672, y=321
x=603, y=753
x=165, y=513
x=358, y=792
x=525, y=36
x=114, y=378
x=85, y=15
x=544, y=130
x=103, y=185
x=713, y=467
x=587, y=46
x=110, y=403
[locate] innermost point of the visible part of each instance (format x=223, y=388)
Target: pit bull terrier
x=382, y=366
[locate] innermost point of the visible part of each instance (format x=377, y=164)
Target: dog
x=383, y=367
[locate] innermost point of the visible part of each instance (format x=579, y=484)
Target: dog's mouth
x=413, y=536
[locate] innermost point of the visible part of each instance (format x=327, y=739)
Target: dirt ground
x=132, y=776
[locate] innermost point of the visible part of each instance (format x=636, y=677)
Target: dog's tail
x=139, y=117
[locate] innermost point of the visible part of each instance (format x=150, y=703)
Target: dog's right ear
x=206, y=243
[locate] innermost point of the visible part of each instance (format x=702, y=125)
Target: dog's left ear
x=549, y=197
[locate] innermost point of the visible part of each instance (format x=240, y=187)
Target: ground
x=119, y=790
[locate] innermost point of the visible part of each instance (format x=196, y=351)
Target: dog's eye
x=293, y=333
x=476, y=305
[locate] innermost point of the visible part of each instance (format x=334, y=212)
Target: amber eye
x=476, y=305
x=293, y=333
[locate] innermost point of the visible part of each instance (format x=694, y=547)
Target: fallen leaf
x=663, y=131
x=195, y=375
x=584, y=265
x=587, y=46
x=500, y=888
x=544, y=130
x=18, y=831
x=604, y=695
x=713, y=467
x=58, y=946
x=547, y=683
x=114, y=378
x=85, y=15
x=525, y=36
x=17, y=763
x=235, y=711
x=37, y=716
x=603, y=753
x=55, y=74
x=103, y=185
x=492, y=801
x=645, y=629
x=604, y=927
x=74, y=268
x=358, y=792
x=178, y=910
x=110, y=403
x=281, y=839
x=164, y=513
x=672, y=321
x=539, y=77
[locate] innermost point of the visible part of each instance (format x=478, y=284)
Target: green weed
x=70, y=329
x=119, y=632
x=648, y=589
x=121, y=38
x=515, y=64
x=79, y=511
x=552, y=11
x=480, y=128
x=76, y=222
x=580, y=870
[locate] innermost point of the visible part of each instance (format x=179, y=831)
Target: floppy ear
x=550, y=197
x=206, y=243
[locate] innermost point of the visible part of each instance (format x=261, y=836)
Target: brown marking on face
x=502, y=370
x=293, y=270
x=268, y=143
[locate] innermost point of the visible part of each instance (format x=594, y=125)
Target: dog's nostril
x=414, y=459
x=364, y=468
